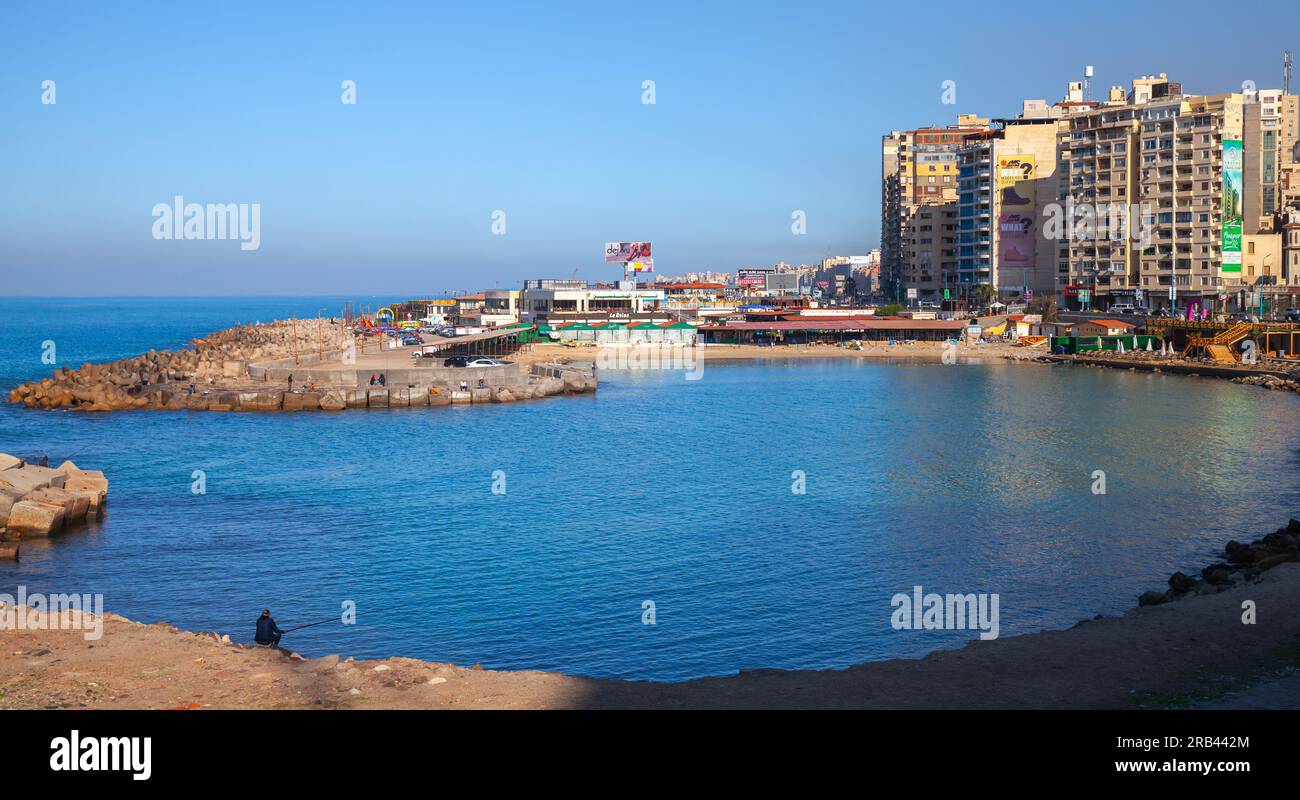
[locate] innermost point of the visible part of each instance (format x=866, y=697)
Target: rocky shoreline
x=1257, y=375
x=1270, y=382
x=38, y=501
x=1245, y=563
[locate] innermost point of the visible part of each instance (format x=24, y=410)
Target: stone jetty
x=239, y=370
x=38, y=501
x=162, y=378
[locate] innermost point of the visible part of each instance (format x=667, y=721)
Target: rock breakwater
x=38, y=501
x=167, y=378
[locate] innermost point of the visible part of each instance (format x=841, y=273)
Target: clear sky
x=533, y=109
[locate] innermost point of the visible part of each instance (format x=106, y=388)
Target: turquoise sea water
x=963, y=478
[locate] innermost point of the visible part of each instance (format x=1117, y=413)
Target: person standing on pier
x=291, y=382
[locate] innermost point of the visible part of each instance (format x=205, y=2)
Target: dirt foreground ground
x=1192, y=652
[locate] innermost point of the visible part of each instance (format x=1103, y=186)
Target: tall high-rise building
x=918, y=208
x=1193, y=176
x=1268, y=143
x=1006, y=175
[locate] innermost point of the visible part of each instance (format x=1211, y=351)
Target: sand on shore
x=1194, y=651
x=927, y=351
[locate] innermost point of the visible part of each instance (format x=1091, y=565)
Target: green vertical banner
x=1232, y=205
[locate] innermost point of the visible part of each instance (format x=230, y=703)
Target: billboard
x=783, y=282
x=752, y=278
x=1015, y=240
x=617, y=252
x=1231, y=205
x=642, y=265
x=1014, y=183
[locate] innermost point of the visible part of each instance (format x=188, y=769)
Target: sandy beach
x=927, y=351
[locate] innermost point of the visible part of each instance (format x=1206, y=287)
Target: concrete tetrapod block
x=9, y=462
x=89, y=480
x=25, y=480
x=7, y=499
x=333, y=400
x=34, y=518
x=74, y=504
x=94, y=501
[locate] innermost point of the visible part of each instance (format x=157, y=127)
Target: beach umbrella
x=1149, y=347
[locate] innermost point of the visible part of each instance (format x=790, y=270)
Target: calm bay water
x=966, y=478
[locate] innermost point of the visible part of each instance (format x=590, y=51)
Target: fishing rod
x=335, y=619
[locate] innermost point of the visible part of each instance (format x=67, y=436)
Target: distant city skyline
x=487, y=148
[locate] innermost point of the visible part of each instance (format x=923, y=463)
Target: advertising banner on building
x=616, y=252
x=642, y=265
x=755, y=278
x=1015, y=187
x=1232, y=205
x=1015, y=240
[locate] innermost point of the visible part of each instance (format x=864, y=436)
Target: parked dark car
x=456, y=361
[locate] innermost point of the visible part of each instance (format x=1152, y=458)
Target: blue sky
x=533, y=109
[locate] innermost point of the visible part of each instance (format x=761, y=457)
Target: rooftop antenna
x=1286, y=72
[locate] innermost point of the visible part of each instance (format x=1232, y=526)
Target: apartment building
x=918, y=208
x=1182, y=168
x=1291, y=255
x=1006, y=176
x=1269, y=142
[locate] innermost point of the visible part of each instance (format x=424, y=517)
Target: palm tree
x=1047, y=307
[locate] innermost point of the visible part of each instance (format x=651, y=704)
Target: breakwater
x=157, y=378
x=38, y=501
x=253, y=367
